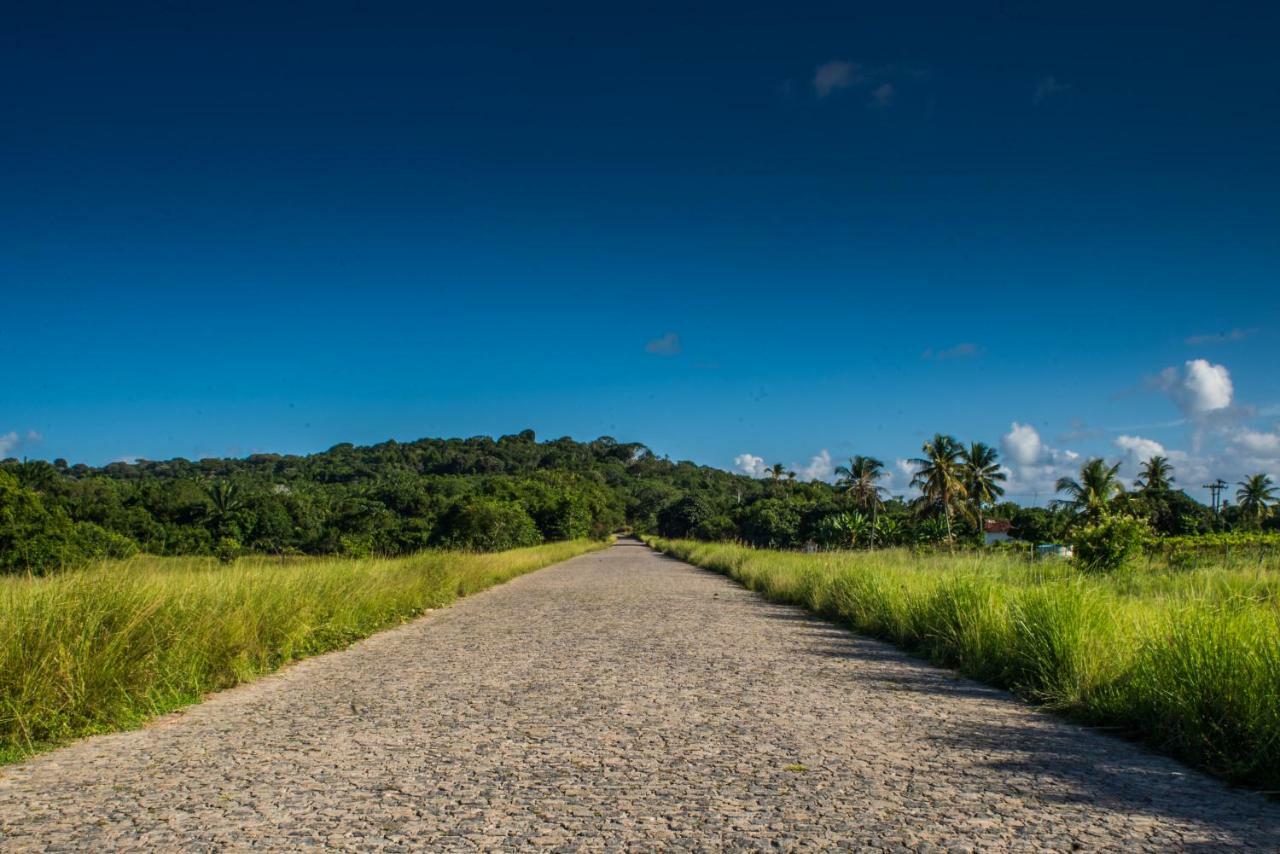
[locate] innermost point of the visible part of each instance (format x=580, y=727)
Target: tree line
x=490, y=494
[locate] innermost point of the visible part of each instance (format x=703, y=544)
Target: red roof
x=998, y=526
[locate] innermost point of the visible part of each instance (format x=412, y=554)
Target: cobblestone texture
x=620, y=700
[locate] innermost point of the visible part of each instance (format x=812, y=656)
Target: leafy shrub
x=94, y=542
x=680, y=518
x=719, y=527
x=228, y=549
x=771, y=523
x=1110, y=543
x=486, y=525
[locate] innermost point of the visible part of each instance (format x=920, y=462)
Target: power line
x=1215, y=490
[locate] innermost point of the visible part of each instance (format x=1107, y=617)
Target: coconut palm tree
x=858, y=480
x=981, y=474
x=225, y=499
x=939, y=478
x=1156, y=476
x=1090, y=496
x=1256, y=496
x=777, y=471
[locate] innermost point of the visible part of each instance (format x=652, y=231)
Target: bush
x=716, y=528
x=486, y=525
x=772, y=523
x=94, y=542
x=681, y=518
x=1109, y=543
x=228, y=549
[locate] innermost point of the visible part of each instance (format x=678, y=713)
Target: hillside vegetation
x=486, y=494
x=1188, y=660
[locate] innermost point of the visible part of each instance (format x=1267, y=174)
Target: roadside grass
x=109, y=646
x=1186, y=660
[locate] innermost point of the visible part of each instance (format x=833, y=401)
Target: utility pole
x=1215, y=491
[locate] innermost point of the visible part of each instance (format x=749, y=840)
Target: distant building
x=1053, y=550
x=996, y=531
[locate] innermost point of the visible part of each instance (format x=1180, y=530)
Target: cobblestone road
x=619, y=700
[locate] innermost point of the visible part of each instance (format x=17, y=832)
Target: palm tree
x=858, y=481
x=1256, y=496
x=1157, y=475
x=225, y=498
x=777, y=471
x=938, y=477
x=1092, y=493
x=981, y=475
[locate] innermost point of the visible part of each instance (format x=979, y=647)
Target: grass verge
x=1187, y=661
x=107, y=647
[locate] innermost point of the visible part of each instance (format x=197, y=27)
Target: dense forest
x=490, y=494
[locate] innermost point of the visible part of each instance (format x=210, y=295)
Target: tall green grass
x=109, y=646
x=1187, y=660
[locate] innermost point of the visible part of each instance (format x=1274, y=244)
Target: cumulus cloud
x=667, y=345
x=834, y=75
x=750, y=464
x=1022, y=444
x=1138, y=449
x=820, y=467
x=1034, y=466
x=882, y=95
x=1047, y=87
x=1198, y=388
x=8, y=441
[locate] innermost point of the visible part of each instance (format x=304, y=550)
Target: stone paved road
x=618, y=700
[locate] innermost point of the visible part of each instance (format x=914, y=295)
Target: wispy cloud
x=1047, y=87
x=667, y=345
x=882, y=95
x=1218, y=337
x=12, y=441
x=960, y=351
x=834, y=75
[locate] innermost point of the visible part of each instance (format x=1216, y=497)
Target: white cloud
x=1255, y=443
x=667, y=345
x=898, y=479
x=1034, y=467
x=820, y=467
x=882, y=95
x=1138, y=449
x=1199, y=388
x=750, y=464
x=1022, y=444
x=11, y=442
x=833, y=75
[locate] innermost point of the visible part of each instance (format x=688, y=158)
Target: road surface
x=618, y=700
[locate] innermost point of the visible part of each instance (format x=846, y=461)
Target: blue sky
x=766, y=231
